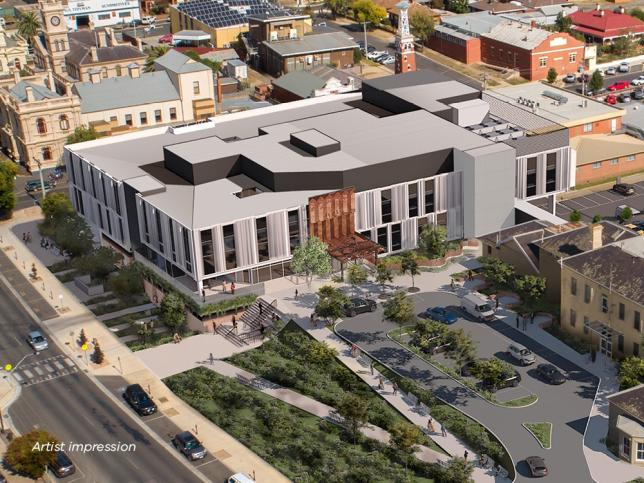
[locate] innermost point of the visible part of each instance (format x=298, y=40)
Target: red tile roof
x=610, y=24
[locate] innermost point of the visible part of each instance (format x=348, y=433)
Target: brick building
x=458, y=36
x=604, y=26
x=600, y=157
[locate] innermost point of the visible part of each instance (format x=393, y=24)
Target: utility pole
x=484, y=80
x=42, y=181
x=364, y=27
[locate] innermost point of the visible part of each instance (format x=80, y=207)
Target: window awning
x=603, y=329
x=353, y=247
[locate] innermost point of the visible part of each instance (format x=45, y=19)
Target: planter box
x=84, y=284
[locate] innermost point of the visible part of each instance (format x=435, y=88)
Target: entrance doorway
x=82, y=21
x=606, y=346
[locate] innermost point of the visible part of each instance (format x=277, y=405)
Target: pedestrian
x=314, y=322
x=353, y=350
x=262, y=329
x=28, y=237
x=395, y=387
x=517, y=321
x=430, y=425
x=532, y=317
x=296, y=294
x=465, y=455
x=203, y=295
x=223, y=286
x=42, y=242
x=211, y=359
x=371, y=367
x=235, y=323
x=443, y=430
x=260, y=303
x=451, y=284
x=232, y=288
x=381, y=383
x=497, y=302
x=24, y=236
x=470, y=275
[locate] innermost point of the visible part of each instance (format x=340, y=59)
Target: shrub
x=128, y=282
x=631, y=372
x=575, y=216
x=23, y=458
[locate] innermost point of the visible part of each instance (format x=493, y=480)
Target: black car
x=624, y=189
x=550, y=374
x=139, y=400
x=189, y=445
x=537, y=466
x=62, y=465
x=359, y=306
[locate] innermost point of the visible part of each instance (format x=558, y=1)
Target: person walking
x=223, y=286
x=371, y=367
x=430, y=425
x=232, y=288
x=532, y=317
x=443, y=430
x=296, y=294
x=235, y=323
x=517, y=321
x=496, y=303
x=381, y=383
x=470, y=275
x=211, y=358
x=395, y=387
x=465, y=455
x=24, y=236
x=203, y=295
x=261, y=309
x=451, y=284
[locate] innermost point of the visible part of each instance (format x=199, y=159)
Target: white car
x=624, y=67
x=375, y=54
x=638, y=81
x=390, y=59
x=611, y=71
x=148, y=20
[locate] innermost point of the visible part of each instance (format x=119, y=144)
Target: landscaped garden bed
x=541, y=431
x=570, y=340
x=303, y=447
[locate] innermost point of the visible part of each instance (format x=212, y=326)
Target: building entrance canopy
x=354, y=247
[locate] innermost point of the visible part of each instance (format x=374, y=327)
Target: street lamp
x=42, y=181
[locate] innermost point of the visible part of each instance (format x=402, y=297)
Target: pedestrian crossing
x=45, y=370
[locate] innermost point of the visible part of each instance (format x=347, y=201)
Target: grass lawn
x=295, y=360
x=303, y=447
x=541, y=431
x=522, y=401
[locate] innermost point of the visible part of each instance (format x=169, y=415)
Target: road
x=636, y=71
x=566, y=406
x=25, y=200
x=60, y=398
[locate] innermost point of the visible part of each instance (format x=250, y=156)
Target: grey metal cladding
x=543, y=142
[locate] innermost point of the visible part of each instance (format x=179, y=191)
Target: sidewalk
x=75, y=316
x=312, y=406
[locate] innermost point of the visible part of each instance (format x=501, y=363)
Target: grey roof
x=325, y=72
x=220, y=55
x=313, y=43
x=236, y=63
x=630, y=400
x=177, y=62
x=507, y=234
x=125, y=91
x=40, y=92
x=300, y=83
x=453, y=32
x=518, y=35
x=475, y=24
x=81, y=54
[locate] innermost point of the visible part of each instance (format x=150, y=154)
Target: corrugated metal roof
x=476, y=23
x=599, y=147
x=300, y=83
x=518, y=35
x=310, y=44
x=40, y=92
x=177, y=62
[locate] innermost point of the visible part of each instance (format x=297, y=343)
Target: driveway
x=566, y=406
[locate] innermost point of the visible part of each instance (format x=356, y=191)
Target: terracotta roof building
x=605, y=26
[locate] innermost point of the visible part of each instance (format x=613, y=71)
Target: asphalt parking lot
x=602, y=203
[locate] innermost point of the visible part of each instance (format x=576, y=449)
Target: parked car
x=611, y=71
x=624, y=67
x=611, y=99
x=621, y=208
x=373, y=55
x=618, y=86
x=390, y=59
x=166, y=39
x=624, y=189
x=148, y=20
x=37, y=341
x=625, y=97
x=139, y=400
x=521, y=354
x=477, y=307
x=550, y=374
x=321, y=24
x=570, y=79
x=240, y=478
x=637, y=95
x=441, y=314
x=34, y=186
x=359, y=306
x=189, y=445
x=537, y=466
x=62, y=465
x=638, y=81
x=584, y=78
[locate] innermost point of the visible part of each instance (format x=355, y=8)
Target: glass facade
x=207, y=252
x=429, y=196
x=186, y=249
x=146, y=226
x=173, y=246
x=262, y=239
x=396, y=237
x=531, y=180
x=382, y=237
x=385, y=200
x=229, y=247
x=413, y=199
x=551, y=172
x=294, y=229
x=157, y=215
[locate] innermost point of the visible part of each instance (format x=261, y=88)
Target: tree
x=530, y=287
x=98, y=355
x=82, y=338
x=432, y=241
x=631, y=372
x=458, y=6
x=98, y=264
x=638, y=13
x=575, y=216
x=337, y=7
x=622, y=45
x=312, y=259
x=173, y=312
x=28, y=26
x=491, y=372
x=153, y=53
x=367, y=11
x=597, y=218
x=626, y=214
x=438, y=4
x=422, y=25
x=319, y=353
x=383, y=275
x=357, y=55
x=213, y=64
x=56, y=207
x=596, y=81
x=399, y=308
x=404, y=438
x=461, y=346
x=332, y=303
x=8, y=172
x=356, y=275
x=552, y=75
x=74, y=236
x=497, y=271
x=409, y=264
x=31, y=453
x=563, y=22
x=128, y=282
x=457, y=470
x=355, y=411
x=82, y=134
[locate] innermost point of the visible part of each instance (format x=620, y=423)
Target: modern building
x=604, y=156
x=319, y=81
x=626, y=424
x=602, y=296
x=100, y=13
x=13, y=52
x=224, y=20
x=602, y=26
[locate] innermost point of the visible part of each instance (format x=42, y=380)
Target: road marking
x=39, y=371
x=604, y=197
x=17, y=376
x=28, y=373
x=206, y=463
x=59, y=366
x=155, y=418
x=49, y=368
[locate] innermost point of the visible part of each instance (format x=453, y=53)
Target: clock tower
x=55, y=31
x=405, y=56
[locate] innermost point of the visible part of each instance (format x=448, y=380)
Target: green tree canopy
x=28, y=25
x=319, y=353
x=367, y=11
x=432, y=241
x=82, y=134
x=384, y=275
x=213, y=64
x=30, y=454
x=56, y=208
x=552, y=75
x=331, y=304
x=631, y=372
x=422, y=25
x=626, y=214
x=638, y=13
x=399, y=308
x=622, y=45
x=128, y=282
x=458, y=6
x=457, y=470
x=409, y=265
x=355, y=411
x=530, y=287
x=596, y=81
x=563, y=22
x=153, y=53
x=575, y=216
x=8, y=172
x=337, y=7
x=74, y=236
x=356, y=275
x=597, y=218
x=461, y=346
x=173, y=312
x=99, y=263
x=404, y=438
x=497, y=271
x=312, y=259
x=491, y=372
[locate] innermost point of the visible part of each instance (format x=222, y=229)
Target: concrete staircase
x=255, y=324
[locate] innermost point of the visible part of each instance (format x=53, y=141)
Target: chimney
x=597, y=7
x=621, y=10
x=219, y=94
x=50, y=80
x=139, y=44
x=16, y=76
x=596, y=230
x=134, y=71
x=68, y=89
x=109, y=37
x=102, y=39
x=94, y=54
x=29, y=92
x=95, y=76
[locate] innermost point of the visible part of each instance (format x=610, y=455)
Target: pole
x=42, y=181
x=364, y=26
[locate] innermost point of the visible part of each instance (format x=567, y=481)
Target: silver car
x=37, y=341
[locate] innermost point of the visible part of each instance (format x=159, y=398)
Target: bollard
x=51, y=294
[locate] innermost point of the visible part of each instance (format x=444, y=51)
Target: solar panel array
x=226, y=13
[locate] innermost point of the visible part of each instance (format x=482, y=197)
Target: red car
x=165, y=39
x=618, y=86
x=611, y=99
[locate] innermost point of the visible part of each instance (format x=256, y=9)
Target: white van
x=240, y=478
x=475, y=305
x=522, y=355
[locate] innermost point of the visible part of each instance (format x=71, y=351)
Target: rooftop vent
x=314, y=142
x=246, y=192
x=561, y=99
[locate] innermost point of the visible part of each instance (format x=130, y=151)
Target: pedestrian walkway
x=45, y=370
x=311, y=406
x=127, y=311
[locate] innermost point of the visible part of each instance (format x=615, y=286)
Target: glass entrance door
x=606, y=346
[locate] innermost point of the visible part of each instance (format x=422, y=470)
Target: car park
x=638, y=81
x=148, y=20
x=37, y=341
x=550, y=374
x=511, y=379
x=189, y=445
x=537, y=466
x=611, y=71
x=62, y=466
x=522, y=355
x=624, y=189
x=625, y=97
x=475, y=305
x=618, y=86
x=624, y=67
x=139, y=400
x=359, y=306
x=375, y=54
x=441, y=314
x=584, y=77
x=570, y=79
